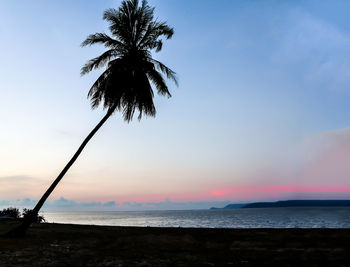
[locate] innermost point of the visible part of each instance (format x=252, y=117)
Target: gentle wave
x=237, y=218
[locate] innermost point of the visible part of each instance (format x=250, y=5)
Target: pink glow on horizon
x=237, y=193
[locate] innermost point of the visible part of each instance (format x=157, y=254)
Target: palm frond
x=167, y=71
x=158, y=81
x=99, y=61
x=102, y=38
x=154, y=31
x=96, y=91
x=119, y=26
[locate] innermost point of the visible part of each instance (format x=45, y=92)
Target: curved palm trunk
x=22, y=229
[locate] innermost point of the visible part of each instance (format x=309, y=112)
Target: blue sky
x=262, y=102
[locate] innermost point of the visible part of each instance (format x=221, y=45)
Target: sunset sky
x=262, y=111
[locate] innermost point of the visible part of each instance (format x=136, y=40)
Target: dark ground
x=78, y=245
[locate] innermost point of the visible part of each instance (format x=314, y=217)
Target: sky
x=261, y=112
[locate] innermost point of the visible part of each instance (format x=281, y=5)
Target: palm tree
x=130, y=72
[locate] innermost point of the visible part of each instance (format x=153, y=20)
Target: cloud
x=63, y=204
x=22, y=203
x=109, y=204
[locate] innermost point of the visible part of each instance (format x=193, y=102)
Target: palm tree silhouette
x=125, y=85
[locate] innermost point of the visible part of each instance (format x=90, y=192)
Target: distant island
x=289, y=203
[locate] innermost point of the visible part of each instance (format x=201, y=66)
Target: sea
x=300, y=217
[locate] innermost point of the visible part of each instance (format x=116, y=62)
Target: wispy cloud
x=63, y=204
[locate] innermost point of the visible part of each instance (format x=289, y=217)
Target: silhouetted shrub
x=37, y=218
x=11, y=212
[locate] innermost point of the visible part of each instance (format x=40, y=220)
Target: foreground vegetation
x=78, y=245
x=14, y=213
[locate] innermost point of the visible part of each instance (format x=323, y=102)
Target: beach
x=51, y=244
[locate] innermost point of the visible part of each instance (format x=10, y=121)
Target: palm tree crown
x=125, y=85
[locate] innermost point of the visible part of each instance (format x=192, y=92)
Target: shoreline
x=51, y=244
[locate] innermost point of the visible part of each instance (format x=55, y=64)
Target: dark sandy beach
x=83, y=245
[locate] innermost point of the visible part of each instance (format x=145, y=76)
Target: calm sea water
x=238, y=218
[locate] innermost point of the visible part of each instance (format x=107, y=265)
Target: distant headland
x=289, y=203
